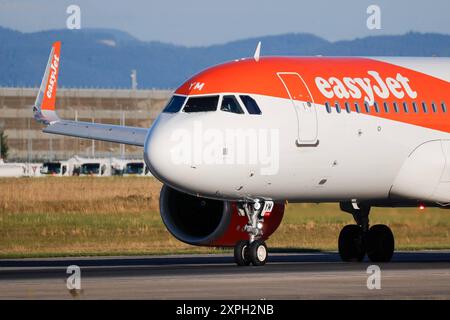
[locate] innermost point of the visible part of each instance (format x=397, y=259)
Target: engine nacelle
x=206, y=222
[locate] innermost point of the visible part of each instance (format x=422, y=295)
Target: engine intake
x=206, y=222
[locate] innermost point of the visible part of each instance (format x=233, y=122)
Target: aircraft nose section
x=156, y=153
x=159, y=153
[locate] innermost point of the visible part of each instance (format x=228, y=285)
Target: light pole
x=133, y=76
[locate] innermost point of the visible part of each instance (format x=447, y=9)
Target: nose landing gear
x=357, y=240
x=253, y=251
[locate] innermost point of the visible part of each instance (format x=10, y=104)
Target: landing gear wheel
x=258, y=253
x=351, y=243
x=380, y=243
x=241, y=253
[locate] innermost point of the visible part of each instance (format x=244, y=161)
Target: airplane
x=238, y=141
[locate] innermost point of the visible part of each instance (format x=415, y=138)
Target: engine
x=206, y=222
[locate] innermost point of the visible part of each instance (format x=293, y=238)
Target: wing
x=44, y=112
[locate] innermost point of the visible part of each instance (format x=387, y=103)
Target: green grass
x=119, y=216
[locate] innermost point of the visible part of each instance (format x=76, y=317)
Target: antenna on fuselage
x=257, y=52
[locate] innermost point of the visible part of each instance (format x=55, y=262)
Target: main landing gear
x=253, y=251
x=356, y=240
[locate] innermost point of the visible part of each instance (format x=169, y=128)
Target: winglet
x=257, y=52
x=44, y=106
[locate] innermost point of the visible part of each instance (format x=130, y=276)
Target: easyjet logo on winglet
x=366, y=87
x=52, y=78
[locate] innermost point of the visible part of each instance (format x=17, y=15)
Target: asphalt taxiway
x=411, y=275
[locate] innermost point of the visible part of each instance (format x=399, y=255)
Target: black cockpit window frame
x=250, y=104
x=175, y=104
x=234, y=107
x=203, y=104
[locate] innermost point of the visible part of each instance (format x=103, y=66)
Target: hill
x=104, y=58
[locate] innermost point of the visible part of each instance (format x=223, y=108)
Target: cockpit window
x=201, y=104
x=174, y=104
x=230, y=104
x=250, y=105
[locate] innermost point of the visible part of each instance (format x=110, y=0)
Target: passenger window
x=230, y=104
x=414, y=107
x=366, y=105
x=405, y=107
x=250, y=104
x=395, y=107
x=433, y=106
x=327, y=106
x=444, y=107
x=338, y=107
x=201, y=104
x=347, y=107
x=377, y=110
x=424, y=107
x=174, y=104
x=357, y=107
x=386, y=107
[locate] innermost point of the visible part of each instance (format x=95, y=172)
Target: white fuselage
x=354, y=155
x=358, y=155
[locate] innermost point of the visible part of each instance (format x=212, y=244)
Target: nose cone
x=179, y=153
x=160, y=151
x=169, y=153
x=156, y=153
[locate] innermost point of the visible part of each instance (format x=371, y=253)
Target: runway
x=411, y=275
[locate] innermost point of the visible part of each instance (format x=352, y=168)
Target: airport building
x=26, y=141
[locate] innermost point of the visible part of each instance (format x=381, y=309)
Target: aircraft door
x=304, y=106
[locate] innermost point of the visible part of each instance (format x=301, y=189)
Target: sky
x=206, y=22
